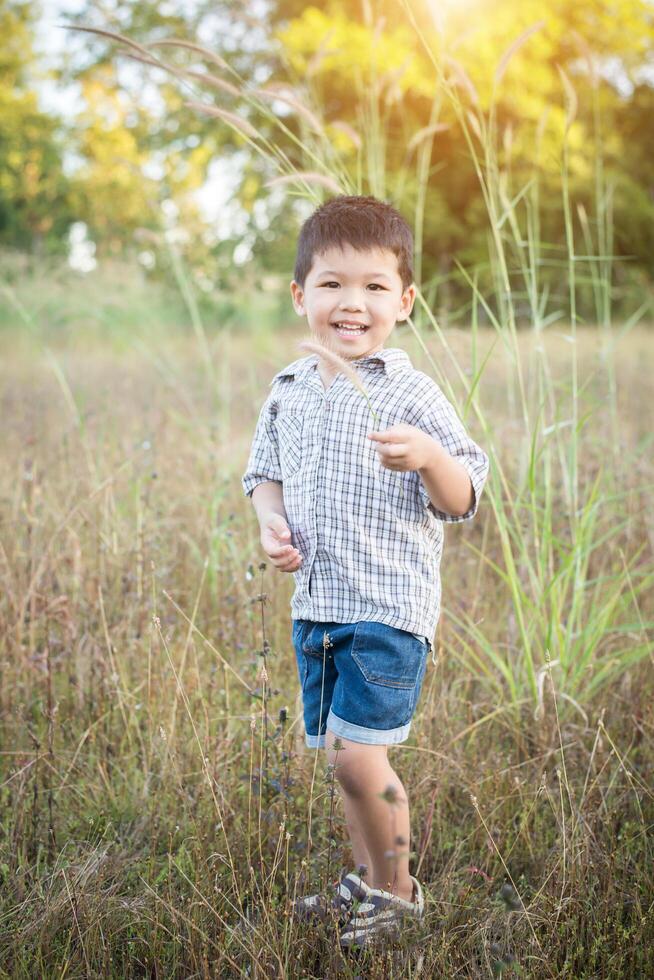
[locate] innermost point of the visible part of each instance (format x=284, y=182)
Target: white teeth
x=346, y=329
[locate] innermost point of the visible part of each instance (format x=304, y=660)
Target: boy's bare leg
x=365, y=774
x=359, y=849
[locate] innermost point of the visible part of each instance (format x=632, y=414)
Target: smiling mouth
x=349, y=329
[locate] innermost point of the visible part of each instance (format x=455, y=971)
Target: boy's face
x=346, y=286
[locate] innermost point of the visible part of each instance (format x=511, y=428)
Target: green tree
x=136, y=152
x=36, y=201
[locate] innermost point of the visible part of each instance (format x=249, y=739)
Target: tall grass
x=156, y=792
x=570, y=588
x=160, y=811
x=571, y=591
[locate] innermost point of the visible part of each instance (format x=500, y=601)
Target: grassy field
x=159, y=808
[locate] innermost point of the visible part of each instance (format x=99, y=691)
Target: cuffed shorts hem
x=356, y=733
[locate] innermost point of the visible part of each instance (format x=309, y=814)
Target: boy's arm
x=263, y=463
x=262, y=481
x=452, y=481
x=275, y=532
x=447, y=482
x=268, y=499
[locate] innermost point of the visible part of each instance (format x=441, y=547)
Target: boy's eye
x=373, y=285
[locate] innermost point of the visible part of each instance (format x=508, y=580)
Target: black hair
x=360, y=221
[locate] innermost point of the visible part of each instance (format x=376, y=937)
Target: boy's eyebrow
x=367, y=275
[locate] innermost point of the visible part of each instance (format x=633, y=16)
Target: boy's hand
x=276, y=542
x=403, y=447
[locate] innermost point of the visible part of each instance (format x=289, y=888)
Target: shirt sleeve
x=436, y=416
x=263, y=463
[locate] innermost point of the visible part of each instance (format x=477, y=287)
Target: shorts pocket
x=302, y=671
x=301, y=660
x=387, y=655
x=317, y=641
x=289, y=424
x=422, y=639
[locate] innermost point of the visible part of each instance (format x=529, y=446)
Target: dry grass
x=155, y=784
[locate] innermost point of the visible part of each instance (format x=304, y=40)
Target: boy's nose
x=351, y=303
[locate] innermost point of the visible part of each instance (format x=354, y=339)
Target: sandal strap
x=351, y=887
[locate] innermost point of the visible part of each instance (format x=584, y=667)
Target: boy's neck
x=362, y=357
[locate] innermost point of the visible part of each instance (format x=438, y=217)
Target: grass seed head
x=271, y=94
x=334, y=361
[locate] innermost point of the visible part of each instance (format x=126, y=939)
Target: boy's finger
x=388, y=435
x=387, y=455
x=274, y=550
x=283, y=551
x=396, y=449
x=285, y=566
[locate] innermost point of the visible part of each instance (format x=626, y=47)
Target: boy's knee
x=356, y=764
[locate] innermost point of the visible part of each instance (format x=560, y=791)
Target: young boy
x=357, y=516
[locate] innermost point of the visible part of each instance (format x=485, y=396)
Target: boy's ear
x=407, y=301
x=297, y=295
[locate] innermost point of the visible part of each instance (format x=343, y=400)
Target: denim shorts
x=363, y=682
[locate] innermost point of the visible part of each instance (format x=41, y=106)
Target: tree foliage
x=35, y=197
x=381, y=98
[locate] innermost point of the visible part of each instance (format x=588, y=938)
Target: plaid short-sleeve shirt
x=370, y=538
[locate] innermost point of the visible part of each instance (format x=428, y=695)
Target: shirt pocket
x=400, y=488
x=289, y=425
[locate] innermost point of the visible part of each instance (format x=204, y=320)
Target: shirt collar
x=392, y=360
